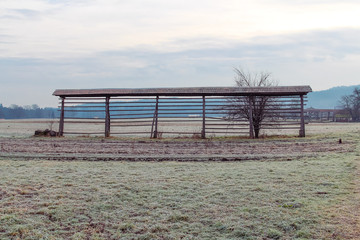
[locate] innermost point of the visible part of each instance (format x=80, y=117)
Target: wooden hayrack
x=148, y=108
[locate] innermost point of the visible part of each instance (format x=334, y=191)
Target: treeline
x=22, y=112
x=351, y=104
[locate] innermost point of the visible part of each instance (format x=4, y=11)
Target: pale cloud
x=60, y=29
x=132, y=66
x=49, y=44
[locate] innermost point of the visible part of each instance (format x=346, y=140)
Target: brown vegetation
x=222, y=149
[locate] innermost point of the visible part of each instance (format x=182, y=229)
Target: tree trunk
x=256, y=130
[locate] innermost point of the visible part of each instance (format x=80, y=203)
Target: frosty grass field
x=281, y=187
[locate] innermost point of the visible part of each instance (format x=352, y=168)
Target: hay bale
x=45, y=133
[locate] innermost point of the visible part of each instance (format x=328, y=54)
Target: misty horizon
x=48, y=45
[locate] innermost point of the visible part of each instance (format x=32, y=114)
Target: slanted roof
x=190, y=91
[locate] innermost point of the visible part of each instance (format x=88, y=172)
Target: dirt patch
x=164, y=150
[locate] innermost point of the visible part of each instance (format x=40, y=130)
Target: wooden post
x=107, y=116
x=302, y=121
x=251, y=123
x=62, y=116
x=203, y=131
x=156, y=117
x=152, y=126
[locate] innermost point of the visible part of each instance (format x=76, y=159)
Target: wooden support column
x=203, y=131
x=302, y=120
x=107, y=116
x=156, y=117
x=251, y=123
x=62, y=117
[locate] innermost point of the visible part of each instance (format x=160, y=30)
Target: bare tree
x=252, y=108
x=351, y=103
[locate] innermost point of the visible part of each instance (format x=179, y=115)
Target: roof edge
x=187, y=91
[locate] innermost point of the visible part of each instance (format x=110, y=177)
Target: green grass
x=177, y=200
x=171, y=200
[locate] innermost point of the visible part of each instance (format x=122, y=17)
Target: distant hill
x=328, y=99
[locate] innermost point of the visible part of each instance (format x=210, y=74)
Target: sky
x=70, y=44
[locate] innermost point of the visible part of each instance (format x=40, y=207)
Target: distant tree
x=254, y=107
x=14, y=106
x=35, y=106
x=2, y=114
x=351, y=103
x=28, y=111
x=27, y=107
x=16, y=111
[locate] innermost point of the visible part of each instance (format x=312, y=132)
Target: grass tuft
x=274, y=234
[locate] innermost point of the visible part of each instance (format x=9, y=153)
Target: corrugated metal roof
x=191, y=91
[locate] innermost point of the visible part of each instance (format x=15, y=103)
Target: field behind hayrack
x=293, y=188
x=27, y=127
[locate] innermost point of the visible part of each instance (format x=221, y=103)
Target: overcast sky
x=51, y=44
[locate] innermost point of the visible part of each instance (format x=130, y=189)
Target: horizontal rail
x=160, y=102
x=95, y=103
x=226, y=128
x=175, y=98
x=135, y=114
x=133, y=110
x=75, y=122
x=84, y=98
x=160, y=109
x=224, y=124
x=279, y=123
x=180, y=120
x=180, y=109
x=130, y=98
x=175, y=113
x=80, y=110
x=133, y=106
x=199, y=132
x=182, y=105
x=235, y=106
x=85, y=118
x=159, y=113
x=128, y=118
x=132, y=102
x=283, y=128
x=141, y=121
x=128, y=125
x=82, y=106
x=119, y=120
x=83, y=132
x=129, y=133
x=229, y=132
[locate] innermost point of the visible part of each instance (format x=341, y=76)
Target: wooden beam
x=302, y=122
x=251, y=123
x=203, y=131
x=107, y=116
x=156, y=117
x=62, y=116
x=192, y=91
